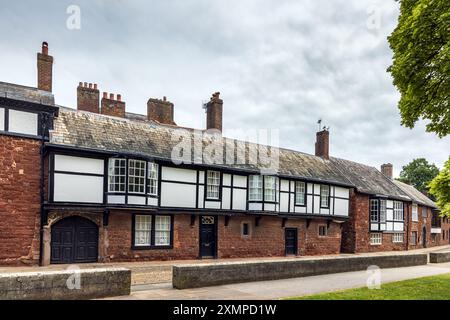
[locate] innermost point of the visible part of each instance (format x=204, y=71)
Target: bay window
x=213, y=185
x=270, y=187
x=382, y=211
x=136, y=176
x=374, y=210
x=300, y=193
x=116, y=175
x=255, y=188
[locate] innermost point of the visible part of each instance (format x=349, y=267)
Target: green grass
x=428, y=288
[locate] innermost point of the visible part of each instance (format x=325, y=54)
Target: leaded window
x=117, y=175
x=136, y=176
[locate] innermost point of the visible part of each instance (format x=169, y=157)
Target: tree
x=419, y=173
x=440, y=188
x=421, y=63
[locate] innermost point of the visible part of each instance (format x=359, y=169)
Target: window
x=397, y=238
x=323, y=230
x=300, y=193
x=270, y=187
x=398, y=210
x=142, y=230
x=424, y=212
x=374, y=210
x=324, y=196
x=2, y=119
x=117, y=175
x=245, y=229
x=152, y=175
x=162, y=230
x=415, y=215
x=151, y=230
x=255, y=184
x=212, y=184
x=414, y=238
x=382, y=210
x=376, y=238
x=136, y=176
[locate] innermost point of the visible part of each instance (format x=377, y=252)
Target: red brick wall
x=19, y=200
x=265, y=240
x=426, y=222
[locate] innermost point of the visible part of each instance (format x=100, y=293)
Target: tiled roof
x=415, y=194
x=28, y=94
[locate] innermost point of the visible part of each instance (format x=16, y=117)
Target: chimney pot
x=105, y=95
x=111, y=96
x=85, y=84
x=164, y=98
x=45, y=48
x=90, y=85
x=80, y=84
x=95, y=86
x=119, y=97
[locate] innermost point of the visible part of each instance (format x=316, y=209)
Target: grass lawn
x=428, y=288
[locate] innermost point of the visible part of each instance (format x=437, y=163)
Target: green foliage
x=419, y=173
x=428, y=288
x=440, y=188
x=421, y=63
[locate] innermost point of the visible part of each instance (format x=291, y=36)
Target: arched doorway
x=74, y=240
x=424, y=237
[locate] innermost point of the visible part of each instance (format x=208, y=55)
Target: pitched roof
x=28, y=94
x=368, y=179
x=415, y=194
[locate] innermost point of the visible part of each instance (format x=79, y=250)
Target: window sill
x=151, y=247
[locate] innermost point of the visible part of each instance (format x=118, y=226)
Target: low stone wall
x=211, y=274
x=65, y=284
x=439, y=257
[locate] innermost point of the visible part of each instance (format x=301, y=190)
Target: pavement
x=276, y=289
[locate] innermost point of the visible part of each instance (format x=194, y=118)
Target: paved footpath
x=283, y=288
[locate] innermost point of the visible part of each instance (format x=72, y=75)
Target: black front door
x=208, y=237
x=290, y=235
x=74, y=240
x=424, y=237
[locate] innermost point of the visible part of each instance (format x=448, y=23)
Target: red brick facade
x=19, y=200
x=436, y=239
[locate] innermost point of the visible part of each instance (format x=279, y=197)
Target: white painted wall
x=114, y=199
x=75, y=188
x=239, y=199
x=177, y=174
x=78, y=164
x=2, y=119
x=136, y=200
x=212, y=204
x=23, y=122
x=342, y=192
x=341, y=207
x=226, y=179
x=284, y=202
x=178, y=195
x=226, y=198
x=240, y=181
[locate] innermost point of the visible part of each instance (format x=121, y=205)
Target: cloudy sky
x=278, y=65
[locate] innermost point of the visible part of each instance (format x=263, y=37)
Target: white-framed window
x=398, y=210
x=270, y=188
x=117, y=173
x=374, y=210
x=324, y=196
x=255, y=186
x=136, y=176
x=162, y=230
x=424, y=212
x=300, y=193
x=415, y=212
x=382, y=210
x=323, y=231
x=376, y=238
x=212, y=184
x=414, y=238
x=152, y=175
x=142, y=230
x=397, y=237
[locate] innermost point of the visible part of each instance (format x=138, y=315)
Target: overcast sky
x=278, y=64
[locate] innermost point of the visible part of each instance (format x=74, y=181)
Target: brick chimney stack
x=44, y=69
x=88, y=97
x=111, y=106
x=160, y=110
x=214, y=110
x=388, y=170
x=323, y=144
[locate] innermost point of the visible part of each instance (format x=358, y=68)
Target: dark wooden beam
x=257, y=219
x=308, y=221
x=105, y=217
x=192, y=219
x=283, y=223
x=227, y=220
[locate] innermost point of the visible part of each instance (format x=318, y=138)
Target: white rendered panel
x=324, y=211
x=136, y=200
x=255, y=206
x=389, y=203
x=341, y=207
x=201, y=196
x=309, y=187
x=212, y=204
x=240, y=181
x=389, y=214
x=398, y=226
x=77, y=188
x=178, y=174
x=284, y=185
x=383, y=226
x=300, y=209
x=2, y=119
x=23, y=122
x=113, y=199
x=269, y=207
x=284, y=202
x=342, y=192
x=177, y=195
x=79, y=164
x=374, y=226
x=389, y=226
x=226, y=179
x=292, y=202
x=239, y=199
x=316, y=204
x=201, y=177
x=316, y=189
x=309, y=203
x=226, y=198
x=152, y=201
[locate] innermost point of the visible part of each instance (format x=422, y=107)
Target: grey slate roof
x=368, y=179
x=28, y=94
x=415, y=194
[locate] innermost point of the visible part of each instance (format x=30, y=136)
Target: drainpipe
x=44, y=127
